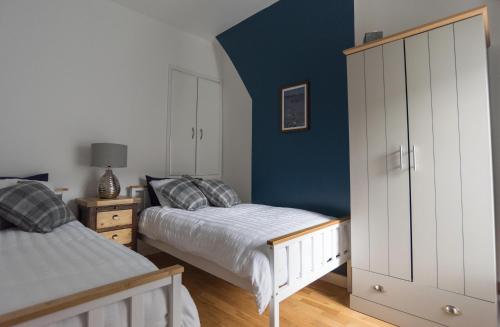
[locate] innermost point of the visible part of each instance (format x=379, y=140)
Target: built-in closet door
x=208, y=149
x=451, y=180
x=183, y=103
x=380, y=207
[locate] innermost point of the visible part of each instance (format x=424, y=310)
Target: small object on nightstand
x=115, y=219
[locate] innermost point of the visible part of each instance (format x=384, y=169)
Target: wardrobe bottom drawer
x=425, y=302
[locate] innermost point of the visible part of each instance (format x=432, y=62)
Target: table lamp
x=109, y=155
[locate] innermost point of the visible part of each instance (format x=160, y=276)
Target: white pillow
x=164, y=202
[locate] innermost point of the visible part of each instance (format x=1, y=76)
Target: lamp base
x=109, y=187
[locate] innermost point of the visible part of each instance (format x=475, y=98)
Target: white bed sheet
x=35, y=268
x=234, y=238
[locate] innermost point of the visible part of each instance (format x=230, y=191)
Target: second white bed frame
x=309, y=254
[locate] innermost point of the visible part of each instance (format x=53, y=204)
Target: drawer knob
x=115, y=217
x=378, y=288
x=452, y=310
x=114, y=237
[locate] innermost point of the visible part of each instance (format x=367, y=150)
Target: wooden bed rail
x=52, y=307
x=302, y=232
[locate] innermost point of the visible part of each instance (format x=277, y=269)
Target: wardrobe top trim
x=483, y=11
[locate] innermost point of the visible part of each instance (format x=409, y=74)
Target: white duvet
x=36, y=268
x=234, y=238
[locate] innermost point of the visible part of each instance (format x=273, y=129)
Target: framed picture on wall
x=295, y=109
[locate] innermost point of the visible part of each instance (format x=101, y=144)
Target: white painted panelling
x=398, y=179
x=182, y=154
x=209, y=119
x=422, y=159
x=475, y=146
x=377, y=161
x=446, y=160
x=358, y=162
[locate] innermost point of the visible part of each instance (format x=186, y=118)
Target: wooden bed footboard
x=305, y=256
x=92, y=302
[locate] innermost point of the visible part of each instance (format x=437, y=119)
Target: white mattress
x=234, y=238
x=36, y=268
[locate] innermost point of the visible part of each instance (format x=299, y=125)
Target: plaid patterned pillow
x=33, y=207
x=218, y=193
x=183, y=194
x=4, y=224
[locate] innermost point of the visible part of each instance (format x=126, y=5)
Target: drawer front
x=122, y=236
x=107, y=219
x=422, y=301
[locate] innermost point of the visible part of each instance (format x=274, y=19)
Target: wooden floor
x=221, y=304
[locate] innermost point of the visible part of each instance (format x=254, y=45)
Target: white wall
x=393, y=16
x=74, y=72
x=237, y=128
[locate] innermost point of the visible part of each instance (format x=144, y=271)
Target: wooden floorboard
x=222, y=304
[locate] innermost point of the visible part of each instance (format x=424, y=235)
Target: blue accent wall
x=292, y=41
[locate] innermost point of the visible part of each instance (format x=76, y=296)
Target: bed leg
x=174, y=301
x=274, y=312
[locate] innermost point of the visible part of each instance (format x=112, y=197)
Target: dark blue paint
x=293, y=41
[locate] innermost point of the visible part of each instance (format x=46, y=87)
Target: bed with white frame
x=304, y=255
x=35, y=268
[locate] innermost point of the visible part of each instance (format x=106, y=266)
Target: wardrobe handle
x=452, y=310
x=378, y=288
x=192, y=133
x=201, y=133
x=401, y=157
x=414, y=155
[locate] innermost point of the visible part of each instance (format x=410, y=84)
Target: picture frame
x=295, y=107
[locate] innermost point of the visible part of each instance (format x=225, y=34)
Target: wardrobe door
x=422, y=160
x=398, y=179
x=377, y=161
x=360, y=247
x=475, y=149
x=209, y=122
x=182, y=124
x=447, y=178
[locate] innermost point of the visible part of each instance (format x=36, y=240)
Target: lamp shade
x=109, y=155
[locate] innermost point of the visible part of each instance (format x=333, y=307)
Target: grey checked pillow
x=4, y=224
x=184, y=194
x=218, y=193
x=33, y=207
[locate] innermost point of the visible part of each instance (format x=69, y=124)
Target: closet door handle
x=192, y=133
x=201, y=133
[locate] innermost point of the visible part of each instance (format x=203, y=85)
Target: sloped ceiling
x=205, y=18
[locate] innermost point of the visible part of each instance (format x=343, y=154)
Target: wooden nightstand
x=115, y=219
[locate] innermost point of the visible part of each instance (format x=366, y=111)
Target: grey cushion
x=33, y=207
x=217, y=193
x=184, y=194
x=4, y=224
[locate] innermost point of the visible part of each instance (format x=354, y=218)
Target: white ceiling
x=205, y=18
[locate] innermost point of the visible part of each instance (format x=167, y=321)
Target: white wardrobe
x=195, y=125
x=422, y=215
